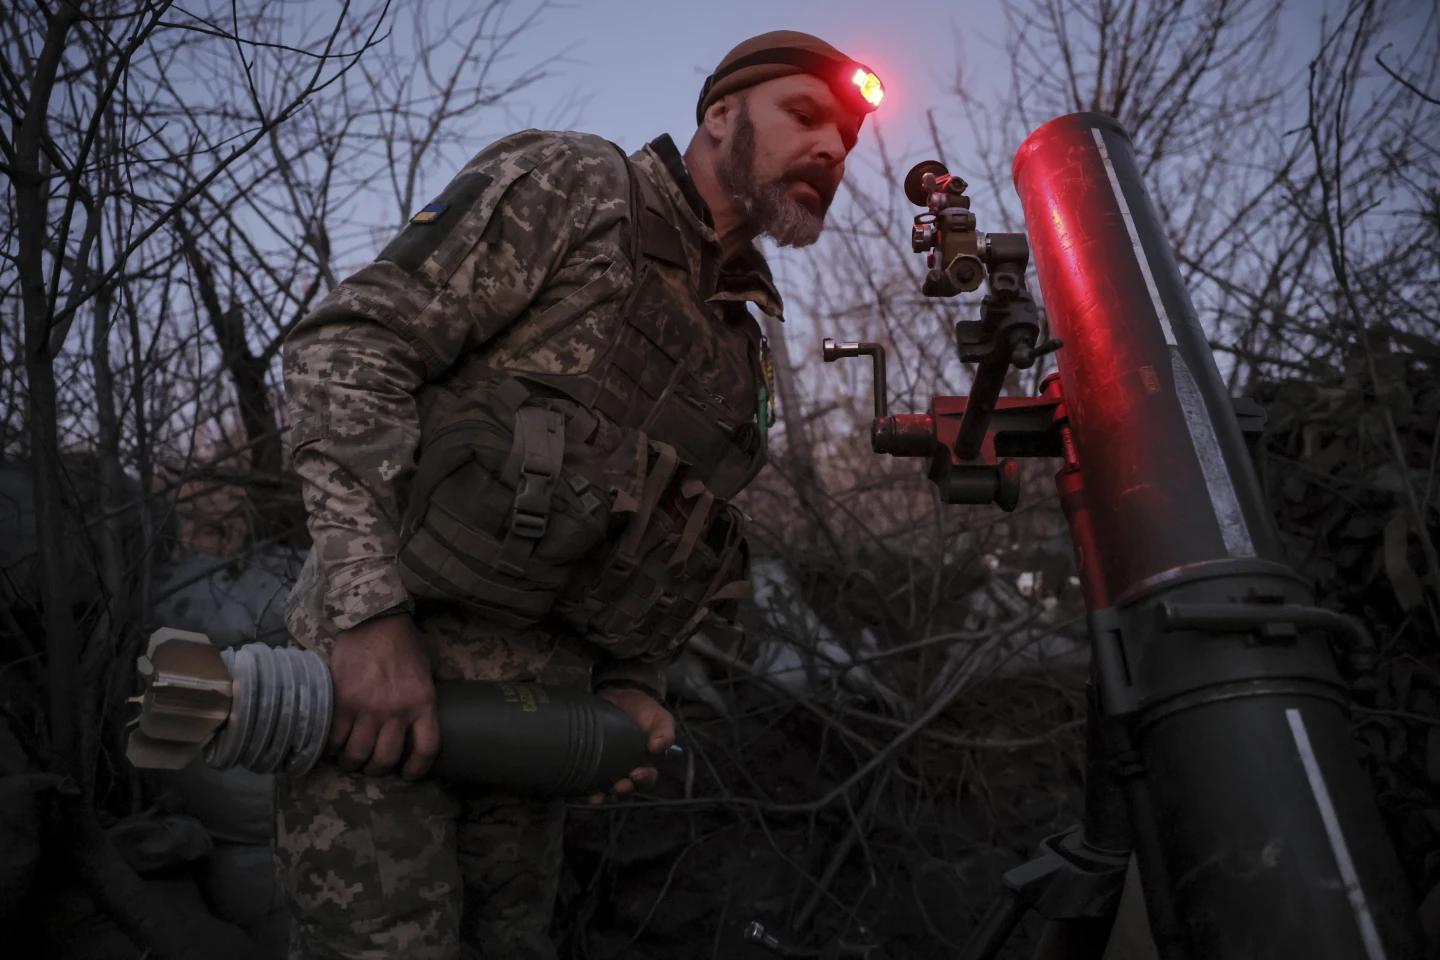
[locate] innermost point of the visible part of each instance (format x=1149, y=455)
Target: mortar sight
x=915, y=190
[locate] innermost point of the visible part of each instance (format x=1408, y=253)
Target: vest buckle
x=540, y=437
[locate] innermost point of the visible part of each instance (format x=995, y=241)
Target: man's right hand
x=383, y=691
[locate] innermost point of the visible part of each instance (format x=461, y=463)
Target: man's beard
x=767, y=206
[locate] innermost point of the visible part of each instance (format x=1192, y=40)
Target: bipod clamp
x=1003, y=337
x=1067, y=880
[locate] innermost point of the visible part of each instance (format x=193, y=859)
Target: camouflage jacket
x=535, y=229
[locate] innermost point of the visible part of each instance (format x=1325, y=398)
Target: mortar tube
x=1270, y=840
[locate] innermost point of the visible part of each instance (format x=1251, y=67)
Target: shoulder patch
x=426, y=230
x=430, y=213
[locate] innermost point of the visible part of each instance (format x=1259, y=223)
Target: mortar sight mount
x=970, y=441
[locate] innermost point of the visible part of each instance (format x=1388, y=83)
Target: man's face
x=785, y=154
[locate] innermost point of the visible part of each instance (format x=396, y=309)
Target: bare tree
x=78, y=217
x=60, y=98
x=265, y=240
x=1374, y=151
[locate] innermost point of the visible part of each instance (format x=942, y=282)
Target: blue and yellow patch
x=430, y=213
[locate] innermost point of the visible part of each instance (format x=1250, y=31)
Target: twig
x=1401, y=80
x=1397, y=714
x=703, y=647
x=970, y=743
x=858, y=825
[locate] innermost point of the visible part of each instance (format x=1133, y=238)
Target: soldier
x=519, y=431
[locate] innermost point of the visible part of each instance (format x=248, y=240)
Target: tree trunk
x=274, y=516
x=110, y=535
x=62, y=640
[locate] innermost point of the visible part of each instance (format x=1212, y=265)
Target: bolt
x=755, y=933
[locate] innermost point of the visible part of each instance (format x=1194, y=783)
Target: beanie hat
x=784, y=53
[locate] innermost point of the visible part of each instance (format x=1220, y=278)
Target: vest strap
x=540, y=442
x=539, y=448
x=695, y=524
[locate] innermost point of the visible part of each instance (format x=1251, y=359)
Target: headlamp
x=869, y=86
x=854, y=84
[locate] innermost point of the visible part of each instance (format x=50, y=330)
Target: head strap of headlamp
x=829, y=69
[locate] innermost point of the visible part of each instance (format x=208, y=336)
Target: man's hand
x=383, y=691
x=659, y=727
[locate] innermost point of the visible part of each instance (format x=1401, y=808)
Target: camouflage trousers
x=381, y=867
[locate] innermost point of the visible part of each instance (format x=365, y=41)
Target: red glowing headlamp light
x=855, y=84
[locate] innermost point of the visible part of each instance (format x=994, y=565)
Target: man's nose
x=831, y=148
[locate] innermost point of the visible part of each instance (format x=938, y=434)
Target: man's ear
x=720, y=117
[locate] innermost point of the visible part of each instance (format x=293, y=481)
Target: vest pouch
x=713, y=575
x=742, y=460
x=711, y=436
x=502, y=504
x=659, y=581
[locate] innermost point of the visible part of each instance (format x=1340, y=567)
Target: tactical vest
x=599, y=499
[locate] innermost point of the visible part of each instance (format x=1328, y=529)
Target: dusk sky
x=632, y=69
x=638, y=64
x=641, y=62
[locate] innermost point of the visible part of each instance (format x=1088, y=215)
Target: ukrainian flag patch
x=430, y=213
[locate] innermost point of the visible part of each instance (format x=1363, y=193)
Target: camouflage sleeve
x=648, y=677
x=466, y=267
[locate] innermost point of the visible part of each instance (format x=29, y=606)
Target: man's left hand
x=659, y=727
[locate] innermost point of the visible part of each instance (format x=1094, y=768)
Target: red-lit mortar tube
x=1259, y=817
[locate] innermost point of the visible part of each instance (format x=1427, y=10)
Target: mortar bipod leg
x=1076, y=878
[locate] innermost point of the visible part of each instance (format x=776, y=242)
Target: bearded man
x=519, y=431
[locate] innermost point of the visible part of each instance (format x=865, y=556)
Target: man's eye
x=802, y=116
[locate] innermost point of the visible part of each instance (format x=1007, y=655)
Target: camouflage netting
x=1338, y=492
